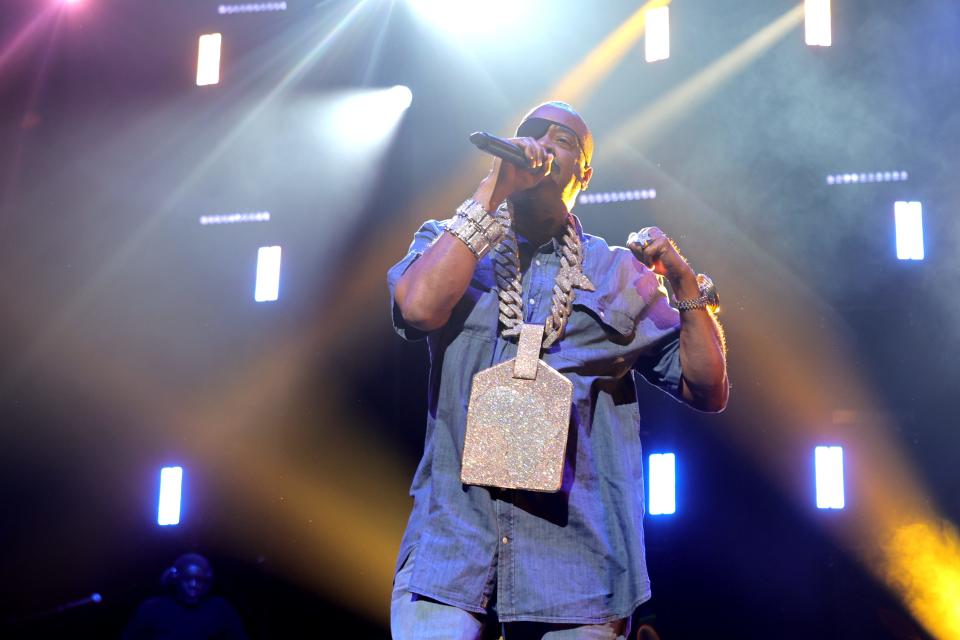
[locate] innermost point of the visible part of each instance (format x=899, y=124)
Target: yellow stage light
x=657, y=43
x=817, y=23
x=208, y=59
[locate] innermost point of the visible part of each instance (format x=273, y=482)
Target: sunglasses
x=536, y=128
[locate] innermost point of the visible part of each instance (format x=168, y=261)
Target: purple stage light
x=267, y=287
x=828, y=464
x=251, y=7
x=663, y=484
x=235, y=218
x=171, y=484
x=208, y=59
x=908, y=218
x=606, y=197
x=860, y=178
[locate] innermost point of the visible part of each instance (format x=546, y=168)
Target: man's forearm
x=702, y=361
x=427, y=293
x=702, y=357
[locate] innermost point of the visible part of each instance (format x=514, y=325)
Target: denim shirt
x=575, y=556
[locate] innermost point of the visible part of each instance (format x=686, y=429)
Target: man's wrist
x=486, y=194
x=477, y=227
x=706, y=297
x=685, y=285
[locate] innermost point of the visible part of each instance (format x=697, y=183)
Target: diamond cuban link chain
x=506, y=261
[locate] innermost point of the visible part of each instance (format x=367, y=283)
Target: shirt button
x=532, y=301
x=505, y=540
x=538, y=262
x=601, y=314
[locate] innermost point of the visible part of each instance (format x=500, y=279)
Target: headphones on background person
x=179, y=571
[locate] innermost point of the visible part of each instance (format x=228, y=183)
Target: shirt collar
x=555, y=242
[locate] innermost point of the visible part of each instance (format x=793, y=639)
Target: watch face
x=708, y=289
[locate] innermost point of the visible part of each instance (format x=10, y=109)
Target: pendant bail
x=528, y=352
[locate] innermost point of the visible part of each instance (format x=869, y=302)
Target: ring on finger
x=643, y=237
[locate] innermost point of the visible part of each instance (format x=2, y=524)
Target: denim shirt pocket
x=610, y=310
x=598, y=335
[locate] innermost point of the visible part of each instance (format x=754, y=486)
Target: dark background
x=130, y=338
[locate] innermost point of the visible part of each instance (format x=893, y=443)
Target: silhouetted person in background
x=186, y=613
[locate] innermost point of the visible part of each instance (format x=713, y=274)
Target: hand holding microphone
x=521, y=163
x=525, y=153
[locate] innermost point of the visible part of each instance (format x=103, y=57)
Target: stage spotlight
x=828, y=463
x=908, y=217
x=817, y=23
x=208, y=59
x=251, y=7
x=235, y=218
x=617, y=196
x=657, y=42
x=268, y=274
x=171, y=482
x=470, y=17
x=400, y=98
x=367, y=118
x=878, y=176
x=663, y=485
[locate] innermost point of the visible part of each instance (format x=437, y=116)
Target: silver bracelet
x=476, y=227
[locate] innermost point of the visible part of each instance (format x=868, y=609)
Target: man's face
x=193, y=582
x=566, y=136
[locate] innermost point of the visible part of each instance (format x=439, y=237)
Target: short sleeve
x=427, y=234
x=659, y=362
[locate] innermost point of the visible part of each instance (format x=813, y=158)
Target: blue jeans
x=416, y=618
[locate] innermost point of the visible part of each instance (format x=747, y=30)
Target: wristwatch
x=709, y=298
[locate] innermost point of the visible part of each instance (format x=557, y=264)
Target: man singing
x=494, y=547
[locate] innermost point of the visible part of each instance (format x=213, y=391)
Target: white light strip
x=236, y=218
x=663, y=484
x=908, y=217
x=828, y=462
x=171, y=483
x=657, y=39
x=617, y=196
x=251, y=7
x=268, y=274
x=817, y=23
x=208, y=59
x=862, y=178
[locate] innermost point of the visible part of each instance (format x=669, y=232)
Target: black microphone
x=93, y=598
x=502, y=149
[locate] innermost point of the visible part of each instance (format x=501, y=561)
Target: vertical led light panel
x=828, y=462
x=663, y=484
x=657, y=40
x=817, y=23
x=268, y=274
x=208, y=59
x=171, y=483
x=908, y=217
